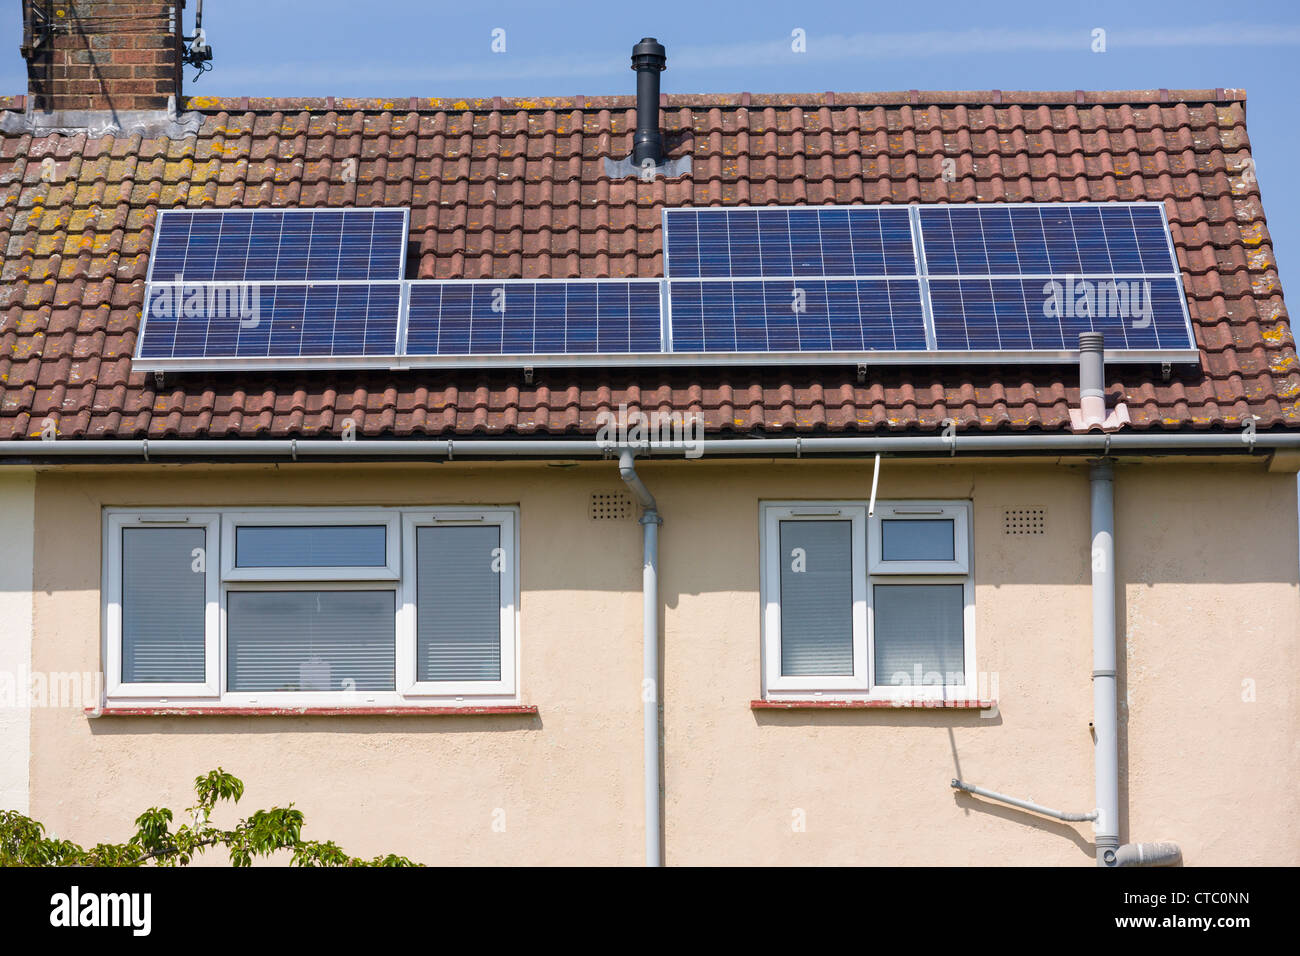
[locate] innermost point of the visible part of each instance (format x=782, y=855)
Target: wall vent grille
x=610, y=506
x=1024, y=521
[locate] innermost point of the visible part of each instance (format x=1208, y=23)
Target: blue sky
x=403, y=48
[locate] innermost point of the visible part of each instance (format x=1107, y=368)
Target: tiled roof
x=517, y=188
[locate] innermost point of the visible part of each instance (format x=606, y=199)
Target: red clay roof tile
x=516, y=188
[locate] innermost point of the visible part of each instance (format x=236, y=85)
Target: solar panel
x=804, y=315
x=788, y=242
x=284, y=245
x=289, y=321
x=1014, y=314
x=1046, y=239
x=534, y=318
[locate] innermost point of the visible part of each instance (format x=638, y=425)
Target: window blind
x=311, y=640
x=919, y=634
x=458, y=603
x=163, y=604
x=816, y=598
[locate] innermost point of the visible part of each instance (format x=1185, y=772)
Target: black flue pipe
x=649, y=59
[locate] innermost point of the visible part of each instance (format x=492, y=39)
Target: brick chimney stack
x=102, y=55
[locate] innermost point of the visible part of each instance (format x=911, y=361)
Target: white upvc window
x=312, y=607
x=162, y=605
x=867, y=607
x=458, y=603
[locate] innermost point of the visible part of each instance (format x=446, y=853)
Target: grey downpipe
x=1105, y=689
x=1105, y=701
x=650, y=522
x=1105, y=694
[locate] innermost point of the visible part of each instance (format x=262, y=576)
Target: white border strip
x=673, y=359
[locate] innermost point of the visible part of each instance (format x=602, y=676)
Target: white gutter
x=650, y=522
x=1155, y=443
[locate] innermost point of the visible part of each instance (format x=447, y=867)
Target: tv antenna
x=197, y=53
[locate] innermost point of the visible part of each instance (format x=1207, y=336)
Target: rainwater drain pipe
x=650, y=522
x=1105, y=696
x=1105, y=700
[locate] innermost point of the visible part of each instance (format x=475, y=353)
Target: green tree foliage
x=23, y=841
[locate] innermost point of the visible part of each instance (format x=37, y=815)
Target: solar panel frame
x=163, y=214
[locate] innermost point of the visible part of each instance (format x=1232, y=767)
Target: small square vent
x=1024, y=521
x=610, y=505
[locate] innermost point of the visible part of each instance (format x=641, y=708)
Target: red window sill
x=814, y=704
x=507, y=709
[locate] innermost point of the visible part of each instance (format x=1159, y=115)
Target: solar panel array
x=997, y=282
x=1034, y=276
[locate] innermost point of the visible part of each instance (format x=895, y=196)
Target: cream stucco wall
x=1206, y=554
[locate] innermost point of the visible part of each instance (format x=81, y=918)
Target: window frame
x=396, y=576
x=774, y=514
x=231, y=521
x=958, y=512
x=112, y=563
x=863, y=685
x=505, y=519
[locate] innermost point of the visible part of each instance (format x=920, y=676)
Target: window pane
x=458, y=603
x=163, y=601
x=816, y=598
x=919, y=634
x=916, y=540
x=303, y=546
x=311, y=640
